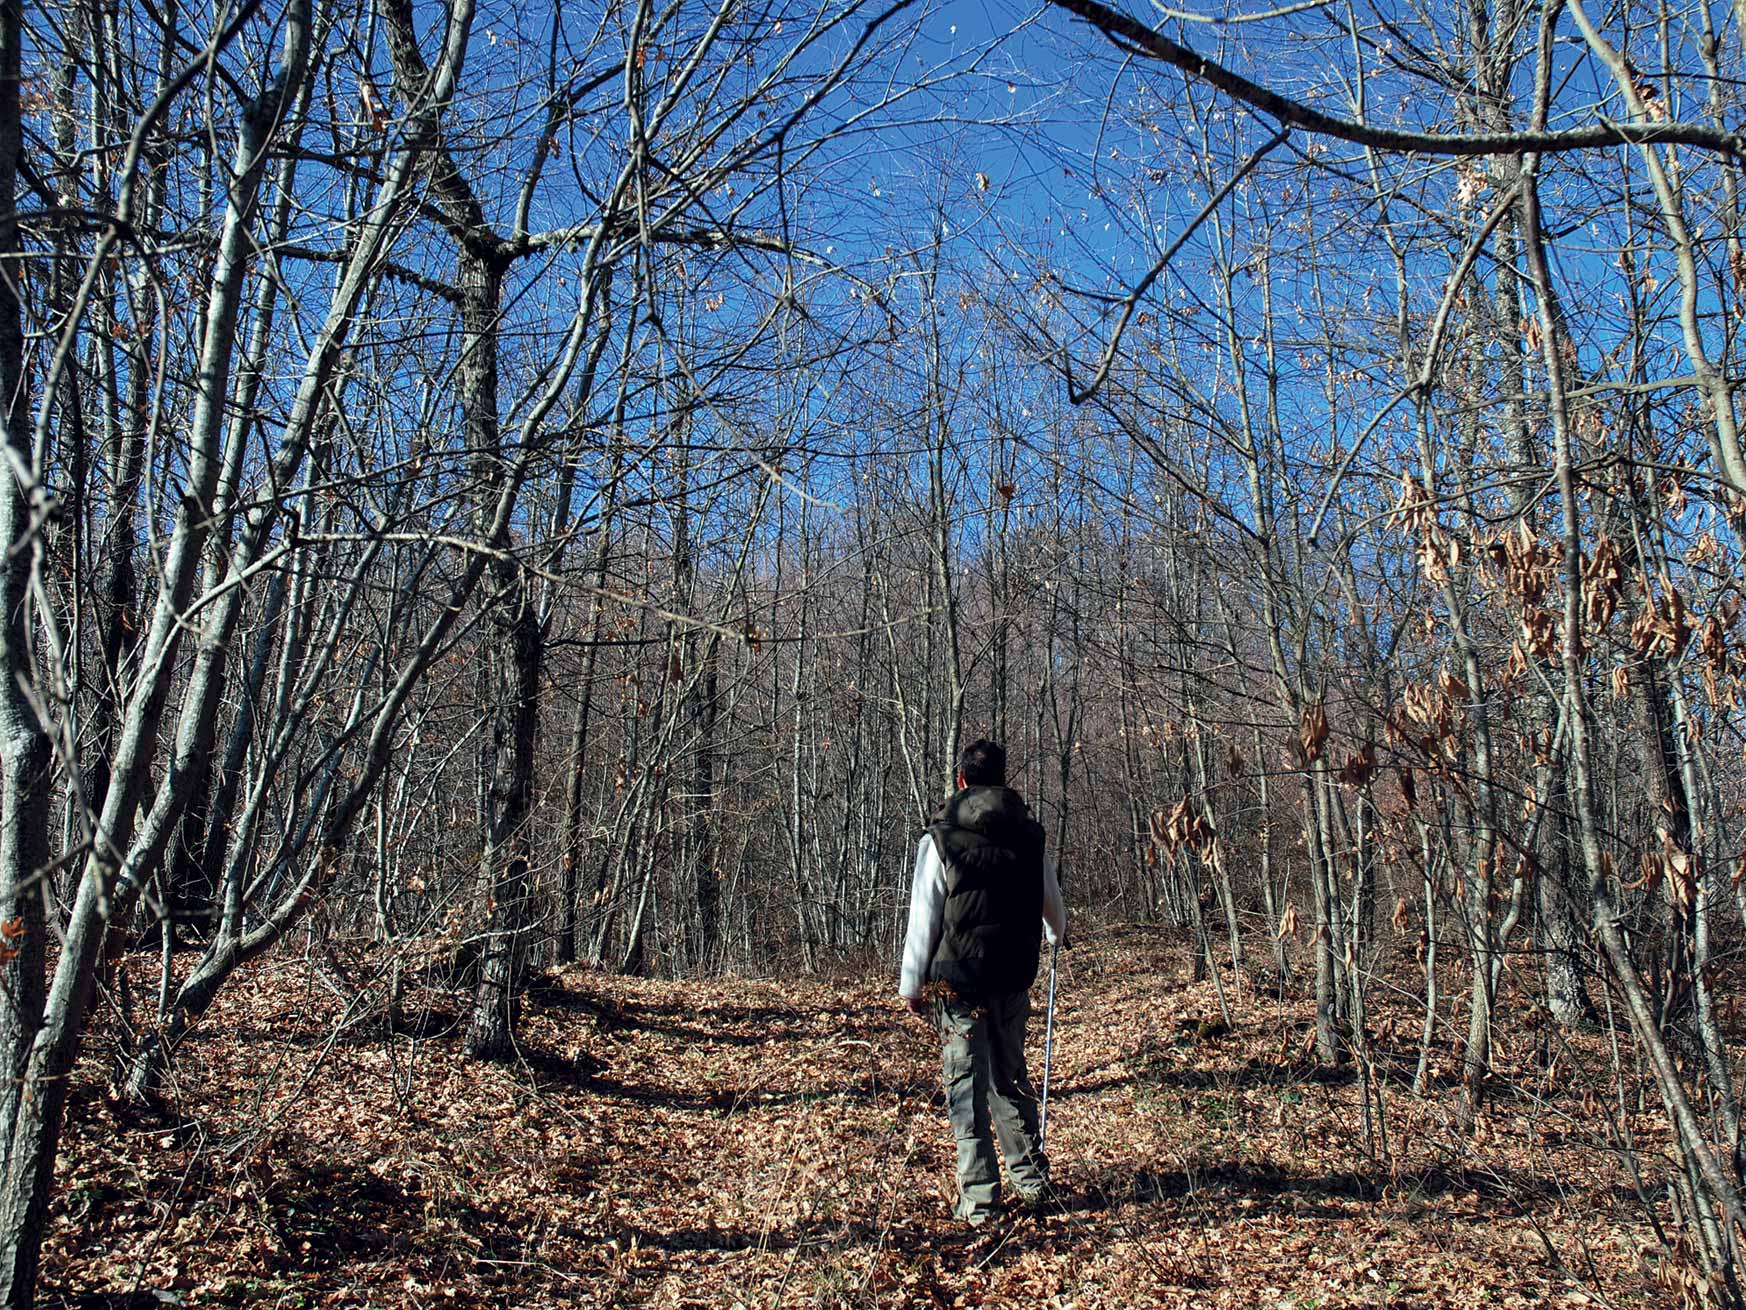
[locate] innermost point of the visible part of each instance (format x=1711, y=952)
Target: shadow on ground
x=589, y=1076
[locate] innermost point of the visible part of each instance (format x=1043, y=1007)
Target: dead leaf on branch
x=1413, y=508
x=1288, y=920
x=1312, y=732
x=1603, y=578
x=1713, y=642
x=1663, y=626
x=1186, y=826
x=1359, y=768
x=372, y=105
x=1681, y=868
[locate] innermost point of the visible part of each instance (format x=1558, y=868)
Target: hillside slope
x=782, y=1144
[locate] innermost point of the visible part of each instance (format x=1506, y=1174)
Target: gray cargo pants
x=983, y=1059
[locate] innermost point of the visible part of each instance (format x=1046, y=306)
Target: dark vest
x=992, y=851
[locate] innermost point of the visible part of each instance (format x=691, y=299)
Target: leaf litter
x=739, y=1143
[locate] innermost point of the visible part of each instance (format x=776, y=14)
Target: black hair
x=983, y=764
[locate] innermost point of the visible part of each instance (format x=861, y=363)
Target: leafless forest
x=496, y=487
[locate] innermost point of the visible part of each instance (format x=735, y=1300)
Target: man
x=982, y=882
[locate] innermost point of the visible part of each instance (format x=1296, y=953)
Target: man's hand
x=916, y=1006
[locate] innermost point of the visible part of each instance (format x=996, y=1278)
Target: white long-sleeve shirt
x=927, y=914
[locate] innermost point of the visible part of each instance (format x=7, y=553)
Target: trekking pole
x=1048, y=1046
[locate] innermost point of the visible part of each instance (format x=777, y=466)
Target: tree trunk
x=703, y=804
x=28, y=1127
x=1566, y=994
x=514, y=658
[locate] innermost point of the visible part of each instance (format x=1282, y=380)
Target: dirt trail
x=760, y=1144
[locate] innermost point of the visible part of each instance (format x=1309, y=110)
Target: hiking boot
x=1045, y=1200
x=972, y=1215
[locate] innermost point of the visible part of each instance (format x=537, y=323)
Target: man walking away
x=982, y=882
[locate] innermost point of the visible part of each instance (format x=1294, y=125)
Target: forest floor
x=760, y=1144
